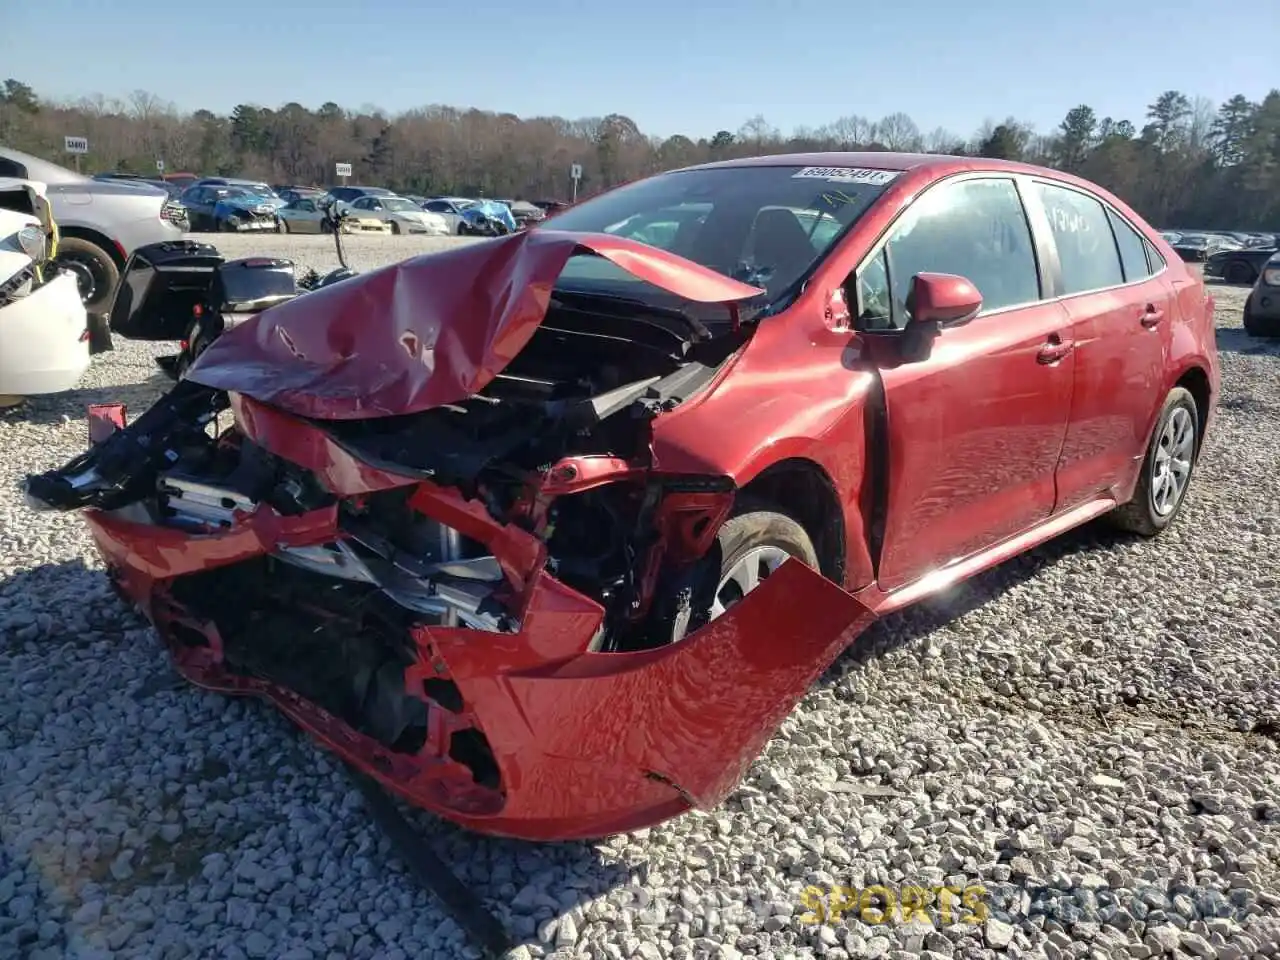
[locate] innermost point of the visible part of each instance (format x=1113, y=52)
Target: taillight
x=1271, y=276
x=174, y=213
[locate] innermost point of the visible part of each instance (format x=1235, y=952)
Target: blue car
x=479, y=217
x=214, y=208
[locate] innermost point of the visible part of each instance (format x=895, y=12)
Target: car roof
x=936, y=165
x=43, y=170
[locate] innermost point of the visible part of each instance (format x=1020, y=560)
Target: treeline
x=1190, y=162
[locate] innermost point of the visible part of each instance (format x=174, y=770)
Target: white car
x=404, y=215
x=451, y=209
x=44, y=329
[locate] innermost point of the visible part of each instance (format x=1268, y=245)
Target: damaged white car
x=44, y=331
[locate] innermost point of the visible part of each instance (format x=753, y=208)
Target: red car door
x=976, y=428
x=1121, y=315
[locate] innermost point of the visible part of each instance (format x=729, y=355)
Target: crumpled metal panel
x=428, y=331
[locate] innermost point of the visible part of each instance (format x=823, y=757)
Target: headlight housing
x=1271, y=276
x=34, y=243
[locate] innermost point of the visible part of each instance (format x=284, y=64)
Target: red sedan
x=549, y=532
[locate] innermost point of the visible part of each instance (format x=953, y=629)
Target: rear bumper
x=576, y=744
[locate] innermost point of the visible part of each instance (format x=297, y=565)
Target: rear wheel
x=282, y=226
x=395, y=228
x=1239, y=272
x=1166, y=469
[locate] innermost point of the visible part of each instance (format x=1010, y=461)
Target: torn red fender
x=610, y=741
x=428, y=331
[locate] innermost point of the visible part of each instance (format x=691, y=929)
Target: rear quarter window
x=1133, y=253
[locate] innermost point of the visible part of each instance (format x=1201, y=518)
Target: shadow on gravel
x=908, y=627
x=1235, y=340
x=33, y=607
x=54, y=408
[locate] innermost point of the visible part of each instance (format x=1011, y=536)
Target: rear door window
x=1087, y=248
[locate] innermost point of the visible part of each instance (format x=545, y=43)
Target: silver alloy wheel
x=744, y=576
x=1171, y=466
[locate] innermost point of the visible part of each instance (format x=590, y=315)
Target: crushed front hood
x=428, y=331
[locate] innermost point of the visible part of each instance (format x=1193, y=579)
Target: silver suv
x=100, y=222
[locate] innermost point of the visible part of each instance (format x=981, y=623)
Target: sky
x=673, y=66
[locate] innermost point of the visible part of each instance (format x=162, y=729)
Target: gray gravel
x=1092, y=732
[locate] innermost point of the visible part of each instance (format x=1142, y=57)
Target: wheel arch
x=804, y=491
x=98, y=239
x=1195, y=380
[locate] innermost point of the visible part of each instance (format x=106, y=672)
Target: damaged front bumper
x=498, y=710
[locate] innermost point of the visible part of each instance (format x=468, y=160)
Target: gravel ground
x=1091, y=733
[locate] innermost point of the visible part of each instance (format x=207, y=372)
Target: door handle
x=1151, y=315
x=1055, y=349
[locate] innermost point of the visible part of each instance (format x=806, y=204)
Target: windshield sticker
x=875, y=178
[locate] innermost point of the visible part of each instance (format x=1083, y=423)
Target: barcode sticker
x=875, y=178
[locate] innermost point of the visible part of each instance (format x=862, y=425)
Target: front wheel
x=395, y=228
x=750, y=546
x=462, y=229
x=281, y=226
x=1166, y=469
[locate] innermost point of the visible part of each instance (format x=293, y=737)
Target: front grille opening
x=342, y=645
x=471, y=749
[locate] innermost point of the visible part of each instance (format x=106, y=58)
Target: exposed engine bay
x=333, y=621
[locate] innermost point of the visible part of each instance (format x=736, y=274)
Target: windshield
x=398, y=204
x=764, y=225
x=257, y=190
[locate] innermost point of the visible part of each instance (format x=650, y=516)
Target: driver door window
x=975, y=229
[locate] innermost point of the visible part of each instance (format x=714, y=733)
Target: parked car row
x=1201, y=246
x=218, y=204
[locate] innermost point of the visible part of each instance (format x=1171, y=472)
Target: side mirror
x=942, y=300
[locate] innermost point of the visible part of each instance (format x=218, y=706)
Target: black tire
x=281, y=226
x=395, y=229
x=462, y=228
x=95, y=271
x=1140, y=515
x=752, y=525
x=1237, y=271
x=326, y=226
x=1255, y=327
